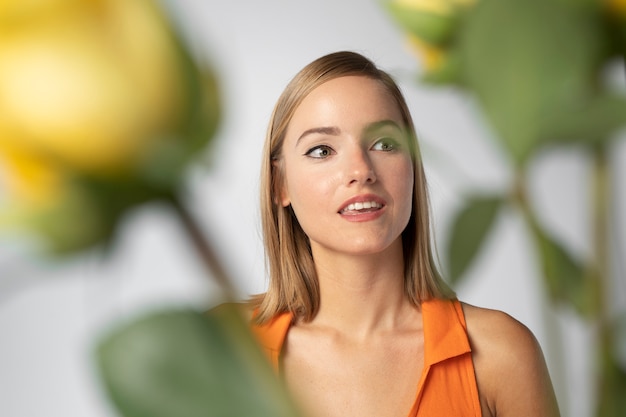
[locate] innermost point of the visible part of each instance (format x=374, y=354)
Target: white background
x=51, y=314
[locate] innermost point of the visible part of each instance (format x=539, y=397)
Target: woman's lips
x=362, y=207
x=366, y=206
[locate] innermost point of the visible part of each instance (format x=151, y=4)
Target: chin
x=364, y=249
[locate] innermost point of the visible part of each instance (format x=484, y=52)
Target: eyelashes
x=385, y=144
x=319, y=152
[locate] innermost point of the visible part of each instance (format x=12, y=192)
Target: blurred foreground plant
x=102, y=109
x=537, y=70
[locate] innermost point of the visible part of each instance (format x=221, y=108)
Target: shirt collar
x=271, y=335
x=444, y=330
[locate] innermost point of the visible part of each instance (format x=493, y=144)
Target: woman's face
x=347, y=168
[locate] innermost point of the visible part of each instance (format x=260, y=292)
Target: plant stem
x=600, y=213
x=553, y=332
x=209, y=257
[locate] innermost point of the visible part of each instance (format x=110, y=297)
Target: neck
x=362, y=294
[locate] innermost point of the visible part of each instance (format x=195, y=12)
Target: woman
x=357, y=320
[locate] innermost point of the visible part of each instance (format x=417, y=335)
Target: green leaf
x=447, y=73
x=611, y=400
x=563, y=275
x=469, y=230
x=527, y=59
x=589, y=123
x=166, y=162
x=185, y=364
x=71, y=224
x=620, y=37
x=429, y=26
x=619, y=330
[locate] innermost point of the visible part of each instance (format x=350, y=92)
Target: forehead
x=345, y=101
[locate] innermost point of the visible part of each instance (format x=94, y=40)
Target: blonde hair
x=293, y=284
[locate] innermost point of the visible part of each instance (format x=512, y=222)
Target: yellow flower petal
x=27, y=178
x=433, y=6
x=444, y=7
x=617, y=6
x=431, y=56
x=93, y=88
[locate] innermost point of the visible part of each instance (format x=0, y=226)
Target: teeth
x=361, y=206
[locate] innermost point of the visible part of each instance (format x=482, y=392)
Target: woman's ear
x=281, y=194
x=284, y=195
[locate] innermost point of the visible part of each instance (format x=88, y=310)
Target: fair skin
x=348, y=178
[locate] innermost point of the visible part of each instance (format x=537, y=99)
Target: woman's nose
x=359, y=167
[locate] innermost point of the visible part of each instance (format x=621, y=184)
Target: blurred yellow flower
x=617, y=6
x=91, y=86
x=445, y=7
x=433, y=21
x=433, y=6
x=101, y=108
x=29, y=178
x=432, y=57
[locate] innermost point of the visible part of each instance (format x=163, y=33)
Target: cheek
x=402, y=181
x=310, y=192
x=294, y=185
x=300, y=185
x=307, y=190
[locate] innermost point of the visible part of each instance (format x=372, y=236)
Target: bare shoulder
x=511, y=372
x=498, y=332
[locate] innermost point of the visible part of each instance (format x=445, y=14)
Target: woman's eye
x=319, y=152
x=386, y=145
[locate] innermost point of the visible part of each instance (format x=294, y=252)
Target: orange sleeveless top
x=447, y=386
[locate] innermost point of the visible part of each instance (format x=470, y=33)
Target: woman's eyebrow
x=323, y=130
x=372, y=127
x=335, y=131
